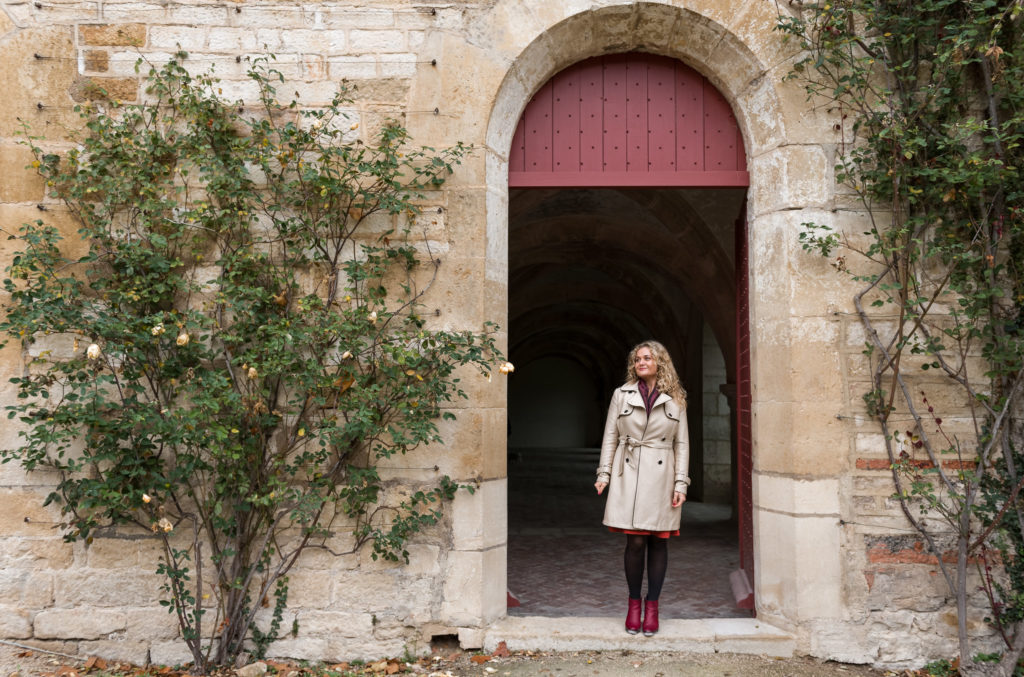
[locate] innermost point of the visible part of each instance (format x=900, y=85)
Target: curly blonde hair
x=667, y=380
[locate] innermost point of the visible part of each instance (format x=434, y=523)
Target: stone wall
x=717, y=435
x=830, y=565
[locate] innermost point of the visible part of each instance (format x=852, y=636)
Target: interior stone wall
x=830, y=567
x=717, y=435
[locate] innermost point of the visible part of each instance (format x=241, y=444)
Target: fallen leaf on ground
x=501, y=651
x=95, y=662
x=479, y=659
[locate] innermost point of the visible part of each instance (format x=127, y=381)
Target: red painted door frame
x=640, y=120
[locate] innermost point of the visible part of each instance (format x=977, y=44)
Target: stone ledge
x=733, y=635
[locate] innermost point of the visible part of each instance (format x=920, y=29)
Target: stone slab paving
x=715, y=635
x=562, y=562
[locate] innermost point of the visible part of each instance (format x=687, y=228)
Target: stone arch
x=514, y=48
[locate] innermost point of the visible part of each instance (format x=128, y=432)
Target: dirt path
x=18, y=662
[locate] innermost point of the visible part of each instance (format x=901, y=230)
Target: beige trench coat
x=643, y=460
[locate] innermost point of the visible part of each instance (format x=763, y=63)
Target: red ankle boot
x=650, y=617
x=633, y=617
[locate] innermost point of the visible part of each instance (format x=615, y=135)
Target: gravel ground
x=17, y=662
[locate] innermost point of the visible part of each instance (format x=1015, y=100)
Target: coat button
x=659, y=462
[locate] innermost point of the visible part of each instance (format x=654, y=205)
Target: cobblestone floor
x=562, y=562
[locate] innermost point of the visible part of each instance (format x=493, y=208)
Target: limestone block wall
x=834, y=565
x=717, y=435
x=102, y=598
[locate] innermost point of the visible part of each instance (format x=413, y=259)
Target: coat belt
x=630, y=445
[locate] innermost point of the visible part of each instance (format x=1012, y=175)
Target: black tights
x=656, y=550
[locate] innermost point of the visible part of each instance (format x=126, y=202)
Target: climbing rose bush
x=240, y=345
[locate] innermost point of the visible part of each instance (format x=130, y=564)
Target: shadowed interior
x=593, y=272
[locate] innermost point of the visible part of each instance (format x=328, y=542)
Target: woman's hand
x=599, y=485
x=677, y=499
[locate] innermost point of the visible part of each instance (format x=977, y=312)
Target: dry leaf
x=479, y=659
x=501, y=651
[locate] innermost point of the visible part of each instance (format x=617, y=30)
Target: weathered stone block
x=792, y=176
x=323, y=42
x=27, y=588
x=21, y=182
x=96, y=60
x=480, y=519
x=28, y=81
x=310, y=589
x=471, y=638
x=327, y=624
x=103, y=588
x=152, y=624
x=352, y=67
x=105, y=89
x=125, y=35
x=914, y=588
x=22, y=513
x=474, y=589
x=112, y=553
x=169, y=653
x=133, y=651
x=189, y=38
x=78, y=623
x=35, y=553
x=797, y=496
x=377, y=41
x=304, y=649
x=15, y=622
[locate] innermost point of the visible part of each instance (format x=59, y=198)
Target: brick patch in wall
x=113, y=34
x=891, y=551
x=884, y=550
x=883, y=464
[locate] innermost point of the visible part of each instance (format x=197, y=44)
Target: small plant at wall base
x=233, y=356
x=927, y=100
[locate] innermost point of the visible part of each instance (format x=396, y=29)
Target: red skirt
x=641, y=532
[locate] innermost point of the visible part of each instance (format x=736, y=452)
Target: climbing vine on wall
x=926, y=99
x=241, y=344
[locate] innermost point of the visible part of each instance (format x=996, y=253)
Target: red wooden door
x=627, y=120
x=743, y=580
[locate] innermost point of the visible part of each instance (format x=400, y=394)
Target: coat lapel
x=633, y=397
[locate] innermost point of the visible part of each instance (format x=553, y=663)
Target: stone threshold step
x=713, y=635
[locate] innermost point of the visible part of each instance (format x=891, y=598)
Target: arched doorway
x=627, y=180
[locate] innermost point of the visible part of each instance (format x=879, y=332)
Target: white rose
x=93, y=352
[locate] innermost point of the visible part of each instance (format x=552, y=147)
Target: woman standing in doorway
x=645, y=456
